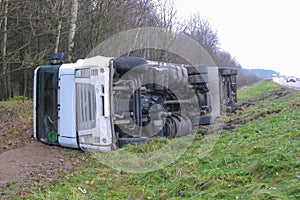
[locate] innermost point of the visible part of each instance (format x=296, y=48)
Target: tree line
x=30, y=31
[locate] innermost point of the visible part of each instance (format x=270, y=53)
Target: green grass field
x=257, y=158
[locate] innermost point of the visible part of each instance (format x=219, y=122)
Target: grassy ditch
x=257, y=158
x=16, y=124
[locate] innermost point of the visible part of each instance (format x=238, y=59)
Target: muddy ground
x=24, y=162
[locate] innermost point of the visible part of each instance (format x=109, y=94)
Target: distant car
x=274, y=76
x=291, y=79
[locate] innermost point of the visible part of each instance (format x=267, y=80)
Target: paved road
x=295, y=86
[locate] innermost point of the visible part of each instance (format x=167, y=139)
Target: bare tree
x=224, y=59
x=72, y=30
x=167, y=19
x=1, y=12
x=201, y=31
x=59, y=26
x=5, y=79
x=167, y=15
x=30, y=30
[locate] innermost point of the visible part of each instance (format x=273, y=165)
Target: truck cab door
x=66, y=107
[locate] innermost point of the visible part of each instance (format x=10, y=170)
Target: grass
x=18, y=98
x=256, y=91
x=258, y=159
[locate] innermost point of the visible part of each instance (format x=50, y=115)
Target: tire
x=125, y=63
x=197, y=79
x=205, y=120
x=199, y=69
x=227, y=71
x=201, y=120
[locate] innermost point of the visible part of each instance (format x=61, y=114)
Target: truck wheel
x=205, y=120
x=125, y=63
x=196, y=79
x=200, y=69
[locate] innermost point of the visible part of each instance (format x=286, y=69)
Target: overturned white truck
x=103, y=103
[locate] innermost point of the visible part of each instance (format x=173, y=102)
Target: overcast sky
x=258, y=33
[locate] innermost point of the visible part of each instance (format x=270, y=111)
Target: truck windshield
x=46, y=102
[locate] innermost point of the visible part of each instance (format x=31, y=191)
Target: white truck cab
x=72, y=104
